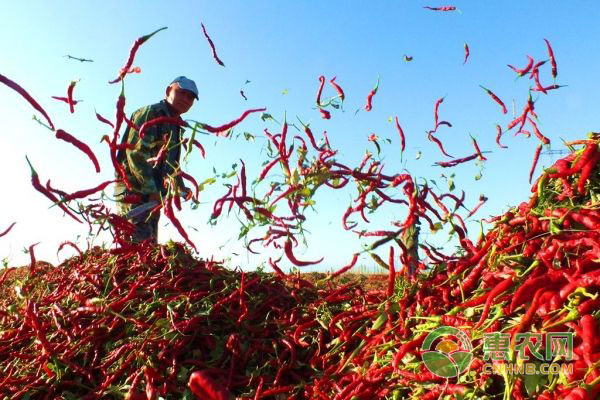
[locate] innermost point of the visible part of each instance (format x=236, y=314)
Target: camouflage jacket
x=146, y=177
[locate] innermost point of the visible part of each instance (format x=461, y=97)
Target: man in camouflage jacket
x=145, y=171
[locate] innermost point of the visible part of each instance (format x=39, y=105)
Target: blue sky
x=283, y=47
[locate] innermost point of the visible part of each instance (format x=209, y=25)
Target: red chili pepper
x=17, y=88
x=205, y=388
x=212, y=46
x=498, y=136
x=168, y=207
x=68, y=243
x=467, y=52
x=545, y=89
x=337, y=88
x=70, y=96
x=232, y=123
x=401, y=132
x=552, y=59
x=482, y=199
x=537, y=132
x=80, y=194
x=443, y=8
x=490, y=296
x=138, y=42
x=368, y=106
x=160, y=120
x=536, y=157
x=453, y=163
x=392, y=274
x=325, y=114
x=102, y=119
x=290, y=255
x=525, y=70
x=477, y=150
x=35, y=181
x=436, y=109
x=32, y=256
x=587, y=170
x=62, y=135
x=320, y=90
x=496, y=98
x=437, y=141
x=7, y=229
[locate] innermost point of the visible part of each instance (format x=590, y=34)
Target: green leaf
x=478, y=176
x=266, y=116
x=284, y=92
x=418, y=155
x=440, y=364
x=532, y=382
x=249, y=137
x=451, y=184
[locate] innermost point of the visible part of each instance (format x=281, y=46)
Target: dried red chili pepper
x=443, y=8
x=290, y=255
x=70, y=96
x=498, y=136
x=7, y=229
x=134, y=48
x=232, y=123
x=212, y=46
x=402, y=139
x=17, y=88
x=524, y=71
x=467, y=53
x=62, y=135
x=368, y=106
x=325, y=114
x=102, y=119
x=552, y=59
x=337, y=88
x=536, y=157
x=320, y=90
x=496, y=98
x=437, y=141
x=477, y=150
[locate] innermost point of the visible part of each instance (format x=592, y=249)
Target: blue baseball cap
x=186, y=84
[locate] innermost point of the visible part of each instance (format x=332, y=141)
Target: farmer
x=147, y=176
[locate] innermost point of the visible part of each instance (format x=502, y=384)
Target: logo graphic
x=446, y=352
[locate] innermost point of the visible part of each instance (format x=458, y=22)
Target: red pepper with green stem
x=139, y=41
x=552, y=59
x=35, y=181
x=168, y=207
x=337, y=88
x=524, y=71
x=70, y=96
x=62, y=135
x=490, y=297
x=369, y=106
x=536, y=157
x=231, y=124
x=467, y=52
x=290, y=255
x=495, y=98
x=212, y=46
x=17, y=88
x=438, y=142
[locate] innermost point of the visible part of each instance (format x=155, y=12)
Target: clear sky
x=282, y=48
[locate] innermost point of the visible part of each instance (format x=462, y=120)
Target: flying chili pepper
x=290, y=255
x=80, y=194
x=320, y=90
x=546, y=88
x=368, y=106
x=436, y=108
x=477, y=150
x=443, y=8
x=102, y=119
x=160, y=120
x=482, y=199
x=337, y=88
x=447, y=164
x=62, y=135
x=524, y=71
x=467, y=52
x=17, y=88
x=325, y=114
x=70, y=96
x=496, y=98
x=552, y=59
x=134, y=48
x=437, y=141
x=168, y=208
x=536, y=157
x=212, y=46
x=401, y=132
x=7, y=229
x=232, y=123
x=537, y=132
x=498, y=136
x=35, y=181
x=243, y=95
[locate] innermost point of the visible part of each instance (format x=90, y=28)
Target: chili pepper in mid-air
x=552, y=59
x=80, y=194
x=437, y=141
x=482, y=199
x=345, y=268
x=290, y=255
x=498, y=136
x=134, y=48
x=524, y=71
x=546, y=88
x=205, y=388
x=17, y=88
x=496, y=98
x=243, y=95
x=368, y=106
x=436, y=109
x=477, y=150
x=536, y=157
x=212, y=46
x=62, y=135
x=102, y=119
x=65, y=100
x=443, y=8
x=537, y=132
x=467, y=52
x=325, y=114
x=401, y=132
x=392, y=274
x=171, y=215
x=446, y=164
x=35, y=181
x=70, y=96
x=160, y=120
x=320, y=90
x=231, y=124
x=7, y=229
x=337, y=88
